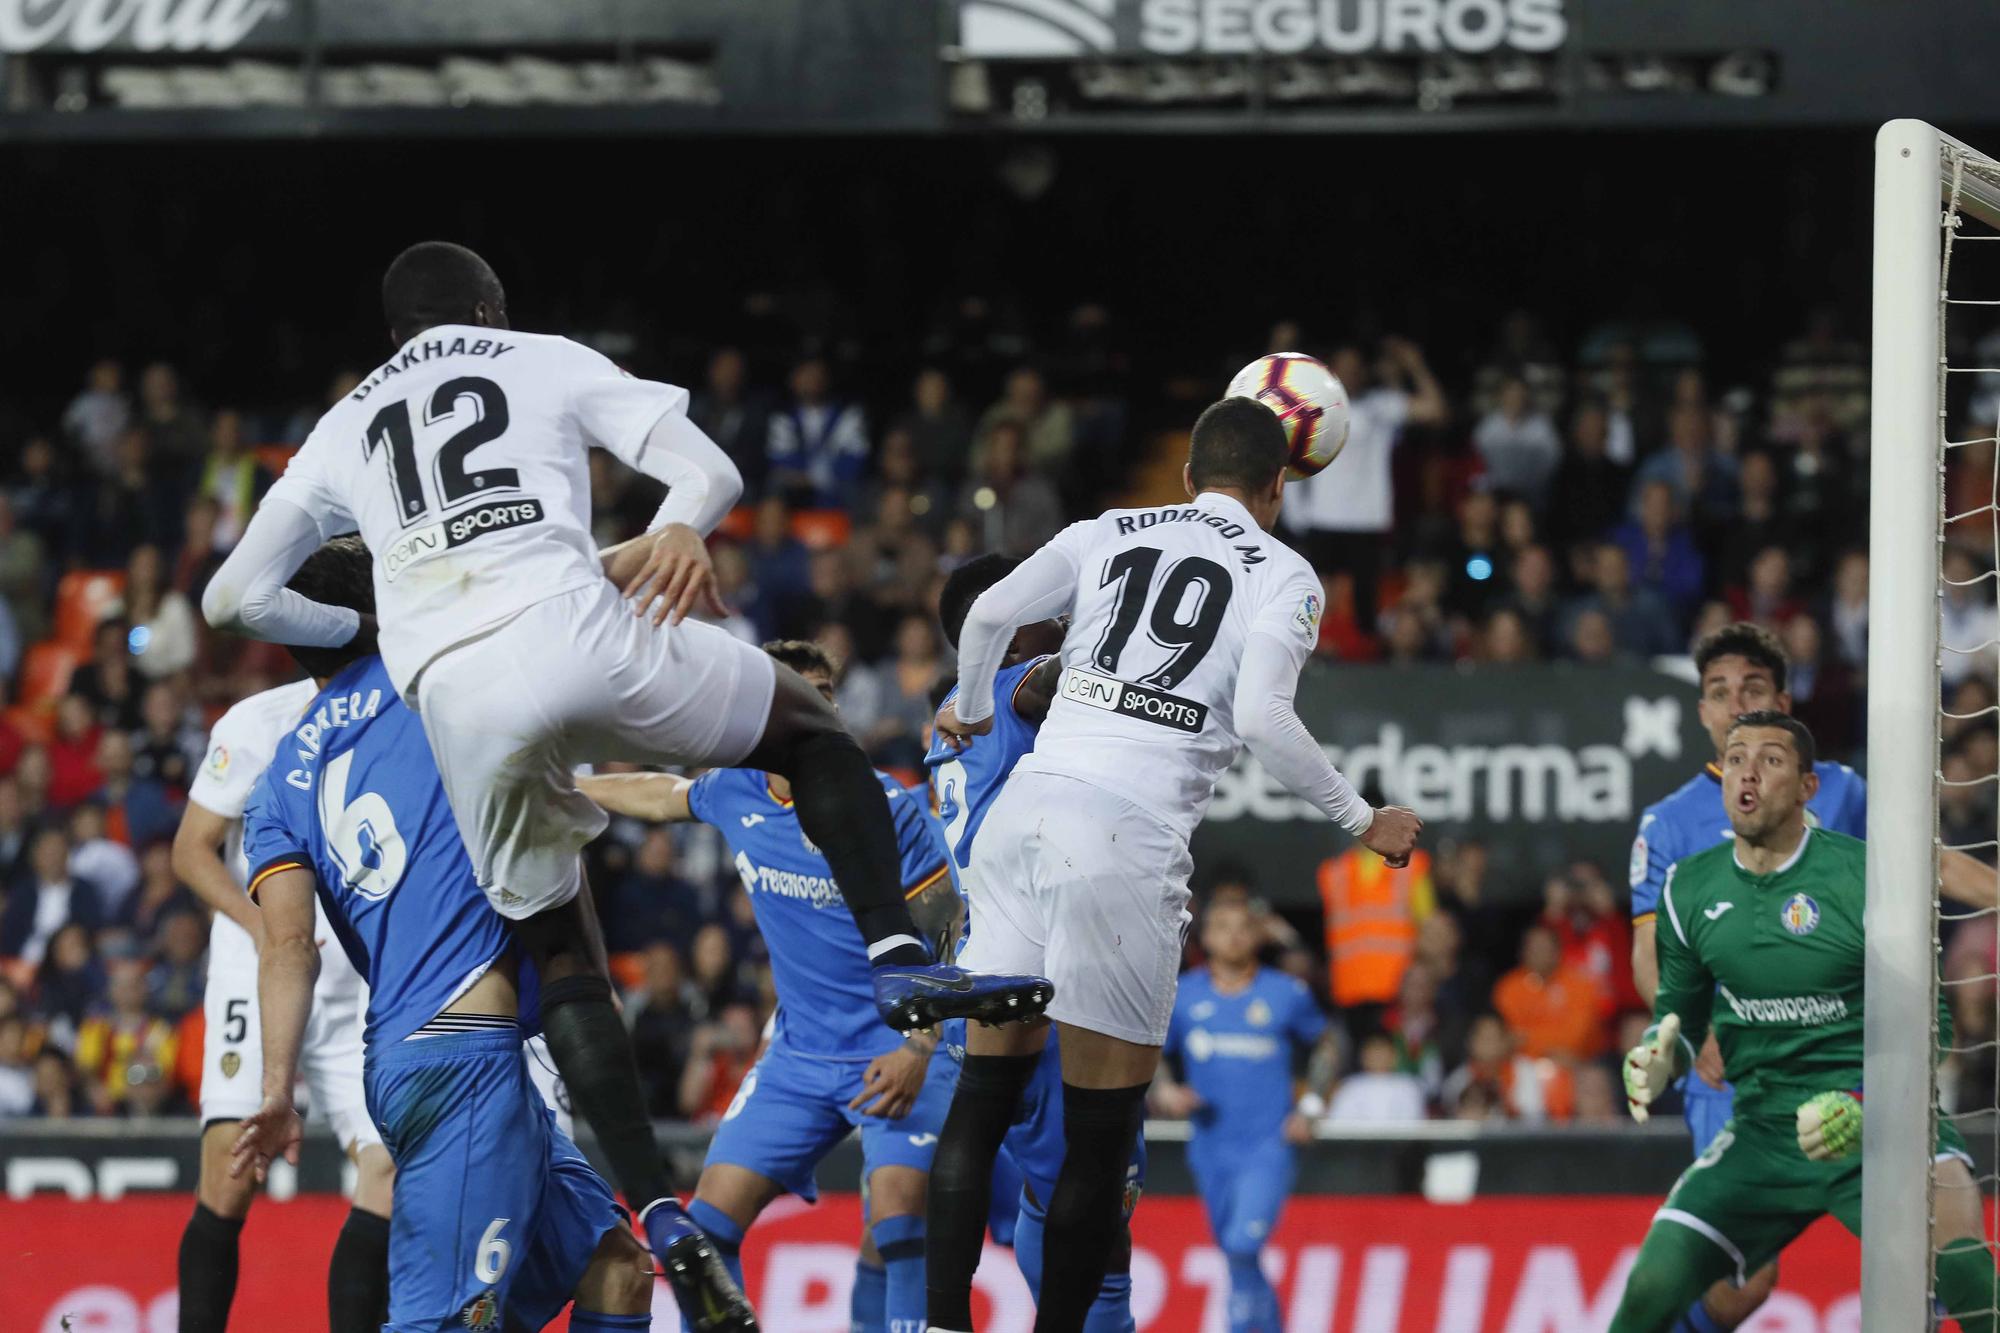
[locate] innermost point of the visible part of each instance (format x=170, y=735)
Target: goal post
x=1927, y=187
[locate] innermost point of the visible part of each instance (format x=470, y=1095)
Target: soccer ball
x=1310, y=401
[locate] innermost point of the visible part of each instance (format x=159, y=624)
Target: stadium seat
x=822, y=528
x=628, y=970
x=45, y=673
x=274, y=458
x=82, y=599
x=35, y=726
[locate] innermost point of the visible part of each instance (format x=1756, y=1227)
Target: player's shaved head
x=1238, y=443
x=437, y=282
x=340, y=573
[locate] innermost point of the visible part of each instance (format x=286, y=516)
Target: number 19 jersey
x=1166, y=599
x=464, y=462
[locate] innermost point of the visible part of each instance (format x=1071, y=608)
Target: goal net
x=1934, y=523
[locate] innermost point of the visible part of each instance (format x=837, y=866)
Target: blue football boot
x=925, y=995
x=707, y=1296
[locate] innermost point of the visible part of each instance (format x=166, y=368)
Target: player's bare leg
x=999, y=1061
x=616, y=1291
x=593, y=1052
x=208, y=1255
x=1726, y=1306
x=357, y=1280
x=727, y=1200
x=841, y=807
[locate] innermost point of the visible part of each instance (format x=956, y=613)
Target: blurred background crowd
x=1509, y=498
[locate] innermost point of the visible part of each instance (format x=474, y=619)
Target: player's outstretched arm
x=198, y=863
x=1269, y=723
x=1038, y=690
x=248, y=594
x=287, y=966
x=658, y=798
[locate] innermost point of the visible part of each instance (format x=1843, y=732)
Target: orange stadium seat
x=274, y=458
x=821, y=528
x=33, y=725
x=627, y=969
x=83, y=598
x=45, y=672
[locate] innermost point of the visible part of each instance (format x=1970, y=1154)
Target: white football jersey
x=1166, y=598
x=464, y=462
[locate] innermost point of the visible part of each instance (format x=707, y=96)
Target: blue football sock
x=900, y=1241
x=1698, y=1320
x=590, y=1321
x=1112, y=1311
x=867, y=1308
x=1252, y=1302
x=723, y=1233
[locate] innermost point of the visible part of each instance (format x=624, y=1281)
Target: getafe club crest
x=483, y=1313
x=1799, y=915
x=1259, y=1014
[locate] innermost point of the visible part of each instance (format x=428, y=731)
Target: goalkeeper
x=1762, y=936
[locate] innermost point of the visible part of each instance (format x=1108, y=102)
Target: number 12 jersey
x=1165, y=600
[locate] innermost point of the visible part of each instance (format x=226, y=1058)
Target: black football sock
x=842, y=808
x=961, y=1185
x=593, y=1053
x=357, y=1281
x=1099, y=1125
x=208, y=1270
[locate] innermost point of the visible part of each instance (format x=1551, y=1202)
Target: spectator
x=1759, y=522
x=831, y=597
x=1532, y=597
x=72, y=754
x=1472, y=556
x=938, y=429
x=1641, y=623
x=1660, y=549
x=1822, y=690
x=1382, y=1092
x=662, y=1024
x=1488, y=923
x=55, y=1087
x=166, y=748
x=818, y=446
x=45, y=900
x=16, y=831
x=175, y=983
x=1766, y=597
x=1345, y=515
x=1587, y=493
x=99, y=414
x=1599, y=1100
x=136, y=810
x=1495, y=1074
x=716, y=980
x=904, y=706
x=1551, y=1008
x=10, y=642
x=1459, y=991
x=25, y=580
x=1846, y=612
x=107, y=681
x=1427, y=1040
x=160, y=893
x=1591, y=639
x=232, y=477
x=42, y=499
x=1699, y=481
x=1518, y=445
x=1044, y=429
x=97, y=860
x=1372, y=911
x=162, y=637
x=138, y=503
x=719, y=1057
x=902, y=471
x=1506, y=640
x=69, y=983
x=199, y=556
x=1969, y=620
x=733, y=414
x=1595, y=936
x=124, y=1045
x=1015, y=510
x=651, y=903
x=17, y=1072
x=173, y=429
x=1521, y=354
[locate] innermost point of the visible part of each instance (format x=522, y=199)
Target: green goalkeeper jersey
x=1774, y=962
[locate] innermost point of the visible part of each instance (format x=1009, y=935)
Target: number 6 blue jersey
x=964, y=782
x=354, y=797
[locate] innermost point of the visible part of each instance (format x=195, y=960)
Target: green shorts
x=1753, y=1191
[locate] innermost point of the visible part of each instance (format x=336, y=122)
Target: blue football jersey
x=819, y=962
x=1236, y=1050
x=964, y=782
x=1693, y=820
x=354, y=796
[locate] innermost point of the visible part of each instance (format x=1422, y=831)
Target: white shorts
x=577, y=679
x=330, y=1060
x=1075, y=883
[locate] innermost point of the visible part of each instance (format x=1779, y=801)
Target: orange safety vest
x=1371, y=929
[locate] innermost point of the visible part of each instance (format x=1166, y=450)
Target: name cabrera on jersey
x=819, y=962
x=964, y=782
x=354, y=797
x=1693, y=819
x=1166, y=598
x=464, y=462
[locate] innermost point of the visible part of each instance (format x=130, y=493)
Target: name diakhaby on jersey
x=146, y=25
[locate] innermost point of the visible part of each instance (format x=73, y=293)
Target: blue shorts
x=497, y=1214
x=1707, y=1110
x=1243, y=1187
x=792, y=1111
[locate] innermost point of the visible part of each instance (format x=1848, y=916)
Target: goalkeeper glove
x=1649, y=1066
x=1830, y=1126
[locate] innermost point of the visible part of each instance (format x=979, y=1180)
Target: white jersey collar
x=1737, y=856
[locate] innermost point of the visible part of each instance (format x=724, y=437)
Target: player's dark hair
x=802, y=655
x=962, y=589
x=437, y=282
x=340, y=573
x=1802, y=737
x=1238, y=442
x=1752, y=643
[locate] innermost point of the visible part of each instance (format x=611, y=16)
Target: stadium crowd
x=1597, y=503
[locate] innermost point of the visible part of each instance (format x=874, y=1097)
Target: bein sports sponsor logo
x=1054, y=28
x=146, y=25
